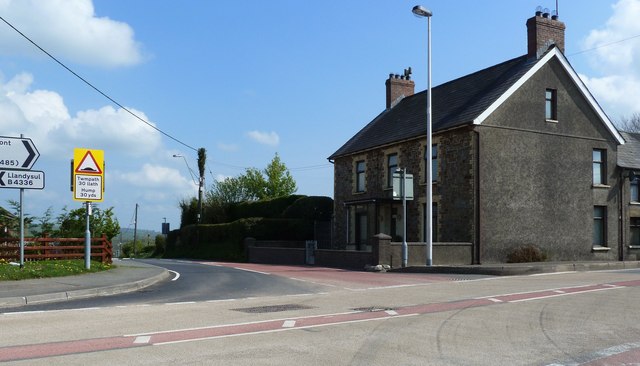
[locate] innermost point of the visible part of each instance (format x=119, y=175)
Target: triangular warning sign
x=88, y=165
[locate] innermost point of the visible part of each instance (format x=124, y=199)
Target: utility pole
x=135, y=231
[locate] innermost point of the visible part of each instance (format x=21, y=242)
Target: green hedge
x=318, y=208
x=267, y=208
x=225, y=241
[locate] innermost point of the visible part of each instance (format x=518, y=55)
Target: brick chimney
x=398, y=87
x=544, y=30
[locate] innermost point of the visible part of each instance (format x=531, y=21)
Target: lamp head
x=421, y=11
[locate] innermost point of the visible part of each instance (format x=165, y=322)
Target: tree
x=279, y=182
x=45, y=223
x=630, y=124
x=272, y=182
x=72, y=224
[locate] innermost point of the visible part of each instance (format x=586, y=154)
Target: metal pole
x=87, y=239
x=21, y=224
x=405, y=249
x=429, y=205
x=21, y=227
x=135, y=231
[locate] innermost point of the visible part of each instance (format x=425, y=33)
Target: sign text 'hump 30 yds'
x=88, y=175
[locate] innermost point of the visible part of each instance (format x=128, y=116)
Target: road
x=352, y=318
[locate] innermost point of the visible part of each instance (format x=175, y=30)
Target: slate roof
x=455, y=103
x=629, y=153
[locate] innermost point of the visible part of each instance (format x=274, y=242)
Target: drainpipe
x=621, y=218
x=476, y=175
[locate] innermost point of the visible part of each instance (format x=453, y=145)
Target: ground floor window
x=635, y=231
x=599, y=226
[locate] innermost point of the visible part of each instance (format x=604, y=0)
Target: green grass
x=49, y=268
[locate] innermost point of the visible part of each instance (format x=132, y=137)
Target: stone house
x=522, y=155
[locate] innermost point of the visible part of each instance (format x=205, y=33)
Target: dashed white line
x=142, y=340
x=289, y=324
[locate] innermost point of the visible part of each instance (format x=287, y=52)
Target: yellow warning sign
x=88, y=175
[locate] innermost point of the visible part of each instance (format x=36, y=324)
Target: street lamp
x=423, y=12
x=188, y=167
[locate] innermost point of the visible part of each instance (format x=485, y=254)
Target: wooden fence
x=55, y=248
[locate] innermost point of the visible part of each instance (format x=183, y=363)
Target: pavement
x=128, y=276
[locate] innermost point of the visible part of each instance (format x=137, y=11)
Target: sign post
x=17, y=156
x=88, y=186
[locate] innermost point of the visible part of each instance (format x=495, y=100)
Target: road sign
x=88, y=175
x=17, y=153
x=30, y=179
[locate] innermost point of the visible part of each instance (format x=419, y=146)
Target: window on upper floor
x=551, y=105
x=434, y=162
x=634, y=190
x=392, y=166
x=360, y=176
x=599, y=167
x=599, y=226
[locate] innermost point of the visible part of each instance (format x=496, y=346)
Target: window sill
x=634, y=246
x=551, y=120
x=601, y=186
x=358, y=193
x=600, y=249
x=634, y=203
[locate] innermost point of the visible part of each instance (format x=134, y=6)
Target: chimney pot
x=543, y=32
x=398, y=86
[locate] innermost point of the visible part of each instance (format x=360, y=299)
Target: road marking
x=180, y=303
x=391, y=312
x=494, y=300
x=176, y=273
x=251, y=270
x=289, y=324
x=142, y=340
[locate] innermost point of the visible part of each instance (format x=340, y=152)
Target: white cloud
x=618, y=86
x=227, y=147
x=152, y=176
x=265, y=138
x=43, y=116
x=70, y=30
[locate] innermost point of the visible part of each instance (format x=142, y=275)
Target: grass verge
x=50, y=268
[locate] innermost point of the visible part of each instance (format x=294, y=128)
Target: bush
x=310, y=208
x=226, y=241
x=267, y=208
x=526, y=254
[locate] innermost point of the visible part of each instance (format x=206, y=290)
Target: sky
x=246, y=80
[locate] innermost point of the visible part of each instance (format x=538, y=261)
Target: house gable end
x=551, y=54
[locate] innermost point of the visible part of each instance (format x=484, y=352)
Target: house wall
x=536, y=176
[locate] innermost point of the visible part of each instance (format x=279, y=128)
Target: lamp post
x=423, y=12
x=188, y=167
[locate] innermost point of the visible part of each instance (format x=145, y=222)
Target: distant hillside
x=126, y=235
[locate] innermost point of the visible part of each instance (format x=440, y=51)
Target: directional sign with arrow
x=17, y=153
x=31, y=179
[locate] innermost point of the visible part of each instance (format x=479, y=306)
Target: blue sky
x=248, y=79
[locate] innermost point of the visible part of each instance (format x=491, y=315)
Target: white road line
x=494, y=300
x=142, y=340
x=391, y=312
x=176, y=273
x=289, y=324
x=251, y=270
x=180, y=303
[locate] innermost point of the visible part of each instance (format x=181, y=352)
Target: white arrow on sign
x=26, y=179
x=17, y=153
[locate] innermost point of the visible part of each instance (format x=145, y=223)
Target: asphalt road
x=190, y=282
x=576, y=318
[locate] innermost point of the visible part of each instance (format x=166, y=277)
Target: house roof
x=466, y=100
x=629, y=153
